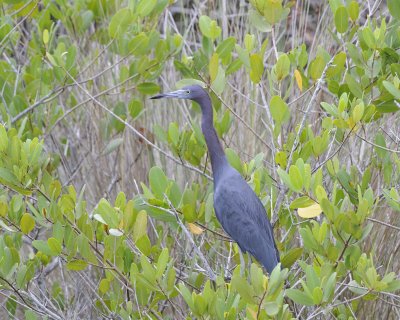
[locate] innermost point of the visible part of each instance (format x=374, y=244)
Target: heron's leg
x=242, y=263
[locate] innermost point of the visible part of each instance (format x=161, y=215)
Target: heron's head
x=194, y=92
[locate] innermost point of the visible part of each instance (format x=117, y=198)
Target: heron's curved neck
x=217, y=154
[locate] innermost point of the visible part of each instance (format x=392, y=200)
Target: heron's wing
x=243, y=217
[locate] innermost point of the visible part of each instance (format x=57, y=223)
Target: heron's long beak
x=173, y=94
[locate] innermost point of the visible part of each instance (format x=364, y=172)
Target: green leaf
x=358, y=112
x=23, y=275
x=329, y=287
x=296, y=178
x=120, y=22
x=54, y=245
x=302, y=202
x=308, y=239
x=6, y=227
x=354, y=10
x=4, y=210
x=77, y=265
x=354, y=86
x=140, y=227
x=107, y=214
x=234, y=66
x=218, y=84
x=173, y=133
x=27, y=223
x=291, y=257
x=249, y=41
x=30, y=315
x=144, y=245
x=317, y=66
x=281, y=158
x=148, y=270
x=187, y=296
x=158, y=182
x=162, y=262
x=257, y=279
x=271, y=308
x=188, y=82
x=41, y=245
x=11, y=305
x=285, y=178
x=241, y=286
x=256, y=67
x=259, y=22
x=135, y=108
x=393, y=286
x=337, y=66
x=341, y=19
x=209, y=28
x=395, y=92
x=300, y=297
x=334, y=5
x=225, y=48
x=243, y=56
x=394, y=8
x=279, y=110
x=213, y=66
x=112, y=145
x=3, y=138
x=148, y=88
x=282, y=67
x=139, y=44
x=234, y=159
x=45, y=36
x=273, y=11
x=104, y=286
x=145, y=7
x=51, y=59
x=317, y=295
x=369, y=37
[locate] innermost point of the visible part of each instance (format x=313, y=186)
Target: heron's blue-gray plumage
x=243, y=217
x=237, y=207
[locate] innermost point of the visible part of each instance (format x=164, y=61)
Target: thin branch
x=377, y=146
x=207, y=267
x=136, y=132
x=384, y=223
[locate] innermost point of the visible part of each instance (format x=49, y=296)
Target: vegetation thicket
x=106, y=199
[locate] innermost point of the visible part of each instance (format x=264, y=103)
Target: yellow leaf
x=310, y=212
x=299, y=79
x=195, y=229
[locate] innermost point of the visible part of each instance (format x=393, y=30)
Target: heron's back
x=243, y=217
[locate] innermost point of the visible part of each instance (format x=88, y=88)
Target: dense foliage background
x=106, y=197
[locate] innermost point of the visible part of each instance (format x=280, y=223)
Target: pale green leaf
x=140, y=226
x=341, y=19
x=120, y=22
x=77, y=265
x=279, y=110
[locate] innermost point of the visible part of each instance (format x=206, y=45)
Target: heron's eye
x=187, y=91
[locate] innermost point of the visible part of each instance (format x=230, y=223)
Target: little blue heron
x=237, y=207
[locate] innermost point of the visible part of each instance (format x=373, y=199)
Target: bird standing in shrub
x=237, y=207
